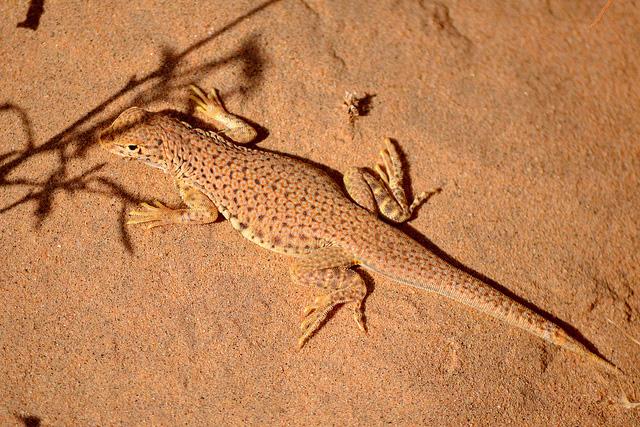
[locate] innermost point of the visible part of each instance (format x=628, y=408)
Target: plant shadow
x=74, y=141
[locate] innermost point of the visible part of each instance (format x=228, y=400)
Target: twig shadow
x=34, y=13
x=28, y=420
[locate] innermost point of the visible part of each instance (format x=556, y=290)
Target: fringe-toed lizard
x=289, y=206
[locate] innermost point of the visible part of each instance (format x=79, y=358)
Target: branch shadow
x=28, y=420
x=74, y=141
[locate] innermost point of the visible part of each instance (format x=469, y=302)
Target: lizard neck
x=202, y=161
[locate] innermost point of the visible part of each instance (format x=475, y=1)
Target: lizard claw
x=207, y=104
x=358, y=316
x=314, y=314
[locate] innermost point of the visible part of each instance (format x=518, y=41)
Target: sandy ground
x=526, y=117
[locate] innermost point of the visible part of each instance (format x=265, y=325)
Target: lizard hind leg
x=383, y=191
x=346, y=287
x=327, y=268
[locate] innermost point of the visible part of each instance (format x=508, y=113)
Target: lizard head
x=132, y=136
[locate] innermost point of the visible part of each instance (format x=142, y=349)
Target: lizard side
x=291, y=207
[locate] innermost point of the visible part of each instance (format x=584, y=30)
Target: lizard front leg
x=231, y=125
x=200, y=210
x=383, y=191
x=328, y=268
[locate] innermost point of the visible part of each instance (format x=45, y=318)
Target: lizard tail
x=464, y=288
x=564, y=340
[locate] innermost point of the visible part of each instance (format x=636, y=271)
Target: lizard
x=291, y=207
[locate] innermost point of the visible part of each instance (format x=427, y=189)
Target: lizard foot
x=316, y=313
x=232, y=126
x=390, y=170
x=381, y=191
x=210, y=104
x=152, y=216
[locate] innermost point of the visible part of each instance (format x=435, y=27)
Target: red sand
x=525, y=116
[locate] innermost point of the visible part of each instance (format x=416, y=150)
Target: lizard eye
x=132, y=147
